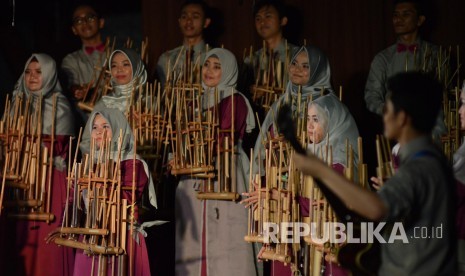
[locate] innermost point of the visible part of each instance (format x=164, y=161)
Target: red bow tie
x=90, y=49
x=402, y=48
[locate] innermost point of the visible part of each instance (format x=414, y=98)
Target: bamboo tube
x=102, y=265
x=122, y=265
x=96, y=249
x=52, y=145
x=218, y=196
x=380, y=168
x=43, y=192
x=272, y=256
x=33, y=216
x=23, y=203
x=226, y=166
x=254, y=238
x=84, y=231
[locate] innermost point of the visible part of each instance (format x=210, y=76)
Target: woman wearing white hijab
x=210, y=233
x=111, y=121
x=127, y=75
x=329, y=122
x=329, y=118
x=39, y=80
x=309, y=76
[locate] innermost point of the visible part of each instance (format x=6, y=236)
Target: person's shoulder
x=173, y=51
x=389, y=51
x=169, y=54
x=71, y=57
x=385, y=55
x=74, y=54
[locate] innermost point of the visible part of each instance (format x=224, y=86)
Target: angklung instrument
x=26, y=164
x=101, y=221
x=200, y=147
x=270, y=77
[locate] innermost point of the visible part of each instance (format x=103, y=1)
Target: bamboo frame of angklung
x=451, y=99
x=322, y=211
x=278, y=176
x=451, y=140
x=265, y=91
x=150, y=126
x=99, y=88
x=385, y=168
x=319, y=210
x=200, y=148
x=27, y=167
x=107, y=220
x=268, y=209
x=187, y=73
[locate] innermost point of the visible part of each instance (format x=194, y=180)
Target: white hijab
x=119, y=123
x=340, y=125
x=64, y=120
x=120, y=97
x=227, y=85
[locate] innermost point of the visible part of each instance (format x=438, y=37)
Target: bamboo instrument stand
x=26, y=165
x=108, y=217
x=280, y=208
x=201, y=149
x=100, y=84
x=150, y=126
x=451, y=98
x=270, y=77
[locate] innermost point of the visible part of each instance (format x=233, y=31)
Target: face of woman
x=33, y=76
x=100, y=128
x=121, y=69
x=315, y=128
x=299, y=69
x=462, y=110
x=211, y=72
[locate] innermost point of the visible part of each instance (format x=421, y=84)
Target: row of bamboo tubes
x=271, y=76
x=26, y=164
x=103, y=231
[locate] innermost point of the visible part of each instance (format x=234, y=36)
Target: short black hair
x=278, y=5
x=201, y=3
x=419, y=5
x=419, y=95
x=81, y=5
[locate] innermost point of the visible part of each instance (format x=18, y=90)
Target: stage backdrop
x=349, y=32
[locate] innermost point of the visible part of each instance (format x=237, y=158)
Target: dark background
x=350, y=32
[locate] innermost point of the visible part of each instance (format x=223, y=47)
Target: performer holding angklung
x=35, y=133
x=128, y=74
x=209, y=231
x=419, y=194
x=182, y=65
x=331, y=133
x=105, y=186
x=85, y=68
x=265, y=72
x=309, y=78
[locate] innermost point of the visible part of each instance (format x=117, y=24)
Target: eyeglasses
x=90, y=18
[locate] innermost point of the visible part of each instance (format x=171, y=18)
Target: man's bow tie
x=90, y=49
x=402, y=48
